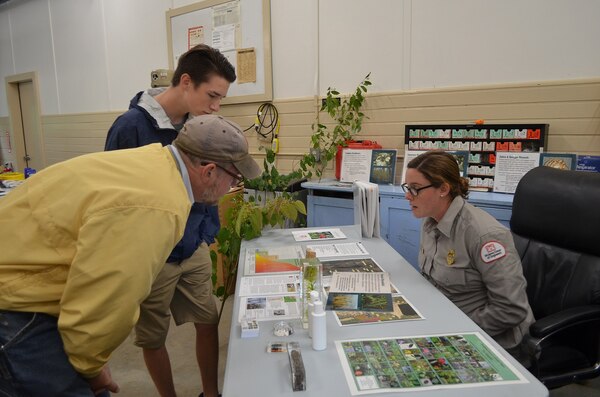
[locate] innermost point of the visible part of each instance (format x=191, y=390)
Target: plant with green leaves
x=271, y=180
x=245, y=220
x=348, y=117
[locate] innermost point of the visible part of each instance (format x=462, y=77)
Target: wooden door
x=25, y=121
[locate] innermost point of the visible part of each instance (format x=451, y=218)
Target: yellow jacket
x=84, y=239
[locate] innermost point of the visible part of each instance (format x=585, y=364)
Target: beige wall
x=571, y=108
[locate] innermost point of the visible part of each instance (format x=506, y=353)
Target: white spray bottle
x=319, y=327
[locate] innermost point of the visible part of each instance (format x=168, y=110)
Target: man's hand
x=103, y=382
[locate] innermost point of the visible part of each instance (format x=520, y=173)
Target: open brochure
x=273, y=260
x=333, y=250
x=269, y=285
x=318, y=234
x=360, y=292
x=403, y=311
x=364, y=265
x=360, y=282
x=275, y=307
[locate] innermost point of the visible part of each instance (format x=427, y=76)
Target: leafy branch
x=347, y=115
x=245, y=220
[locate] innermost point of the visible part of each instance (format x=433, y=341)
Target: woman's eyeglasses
x=414, y=191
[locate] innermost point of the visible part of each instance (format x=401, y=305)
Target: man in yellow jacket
x=82, y=243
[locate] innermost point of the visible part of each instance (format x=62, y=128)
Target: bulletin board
x=240, y=29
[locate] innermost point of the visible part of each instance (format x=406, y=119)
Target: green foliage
x=245, y=220
x=347, y=115
x=271, y=180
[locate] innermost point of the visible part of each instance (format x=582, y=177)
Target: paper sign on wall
x=369, y=165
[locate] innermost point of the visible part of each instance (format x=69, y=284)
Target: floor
x=128, y=370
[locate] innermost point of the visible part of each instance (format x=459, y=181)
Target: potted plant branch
x=245, y=220
x=347, y=116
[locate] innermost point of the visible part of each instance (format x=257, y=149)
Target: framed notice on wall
x=240, y=29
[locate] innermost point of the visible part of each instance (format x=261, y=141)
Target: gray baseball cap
x=213, y=138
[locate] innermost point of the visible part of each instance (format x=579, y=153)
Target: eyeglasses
x=237, y=178
x=413, y=190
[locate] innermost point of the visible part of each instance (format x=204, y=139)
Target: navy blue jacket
x=137, y=127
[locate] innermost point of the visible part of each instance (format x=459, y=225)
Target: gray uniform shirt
x=471, y=258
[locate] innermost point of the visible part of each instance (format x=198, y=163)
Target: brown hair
x=200, y=63
x=439, y=167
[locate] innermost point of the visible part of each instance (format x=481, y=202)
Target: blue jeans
x=33, y=361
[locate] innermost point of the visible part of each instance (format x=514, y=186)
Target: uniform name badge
x=491, y=251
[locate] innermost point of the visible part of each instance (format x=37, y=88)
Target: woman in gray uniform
x=466, y=253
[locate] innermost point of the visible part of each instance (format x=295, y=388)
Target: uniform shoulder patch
x=491, y=251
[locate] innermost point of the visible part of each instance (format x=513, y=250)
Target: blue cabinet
x=329, y=211
x=399, y=227
x=330, y=203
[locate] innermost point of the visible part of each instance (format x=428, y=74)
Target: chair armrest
x=565, y=318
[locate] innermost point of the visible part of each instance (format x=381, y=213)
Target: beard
x=210, y=196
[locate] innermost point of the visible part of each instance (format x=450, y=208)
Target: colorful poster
x=403, y=311
x=273, y=260
x=383, y=166
x=359, y=301
x=392, y=365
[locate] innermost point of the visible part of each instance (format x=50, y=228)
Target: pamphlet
x=403, y=311
x=318, y=234
x=358, y=301
x=360, y=291
x=383, y=166
x=369, y=165
x=510, y=168
x=356, y=165
x=360, y=282
x=364, y=265
x=562, y=161
x=269, y=285
x=391, y=365
x=262, y=308
x=332, y=250
x=273, y=260
x=588, y=163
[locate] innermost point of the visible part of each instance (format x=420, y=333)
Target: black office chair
x=556, y=227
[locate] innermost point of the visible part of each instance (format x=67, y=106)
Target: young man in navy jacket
x=184, y=286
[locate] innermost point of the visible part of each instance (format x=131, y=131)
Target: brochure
x=272, y=260
x=588, y=163
x=360, y=291
x=364, y=265
x=562, y=161
x=263, y=308
x=355, y=165
x=358, y=301
x=510, y=168
x=360, y=282
x=332, y=250
x=369, y=165
x=391, y=365
x=318, y=234
x=383, y=166
x=269, y=285
x=403, y=311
